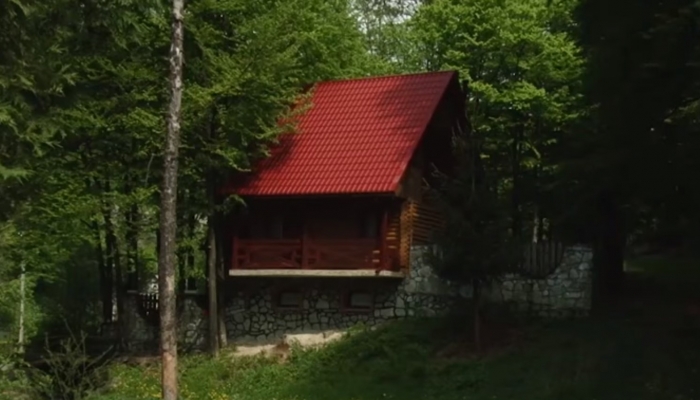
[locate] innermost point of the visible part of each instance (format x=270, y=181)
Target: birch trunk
x=168, y=214
x=22, y=302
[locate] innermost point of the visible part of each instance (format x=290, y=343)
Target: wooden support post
x=383, y=232
x=234, y=251
x=304, y=248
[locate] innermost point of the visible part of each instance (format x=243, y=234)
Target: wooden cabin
x=346, y=194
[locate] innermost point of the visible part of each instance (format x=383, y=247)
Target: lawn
x=648, y=347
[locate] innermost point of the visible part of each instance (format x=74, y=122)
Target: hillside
x=647, y=348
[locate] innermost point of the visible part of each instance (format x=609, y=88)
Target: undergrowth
x=648, y=348
x=587, y=359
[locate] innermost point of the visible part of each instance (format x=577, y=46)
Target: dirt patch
x=496, y=338
x=282, y=348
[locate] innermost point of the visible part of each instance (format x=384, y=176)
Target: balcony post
x=304, y=248
x=234, y=250
x=383, y=232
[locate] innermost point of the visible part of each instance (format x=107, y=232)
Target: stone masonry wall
x=142, y=334
x=565, y=292
x=252, y=313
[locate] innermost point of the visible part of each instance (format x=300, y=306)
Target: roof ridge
x=378, y=77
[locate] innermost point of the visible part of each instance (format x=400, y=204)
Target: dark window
x=275, y=228
x=370, y=228
x=292, y=228
x=359, y=301
x=289, y=300
x=245, y=230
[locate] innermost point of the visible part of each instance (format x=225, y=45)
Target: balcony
x=313, y=257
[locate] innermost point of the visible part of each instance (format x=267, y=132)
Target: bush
x=70, y=372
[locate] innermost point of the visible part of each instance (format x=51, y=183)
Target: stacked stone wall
x=253, y=313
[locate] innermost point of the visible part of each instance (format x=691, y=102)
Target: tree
x=168, y=213
x=387, y=34
x=524, y=71
x=475, y=248
x=87, y=201
x=637, y=156
x=246, y=64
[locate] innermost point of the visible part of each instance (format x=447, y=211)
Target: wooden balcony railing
x=309, y=254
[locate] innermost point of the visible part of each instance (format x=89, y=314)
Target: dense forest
x=585, y=114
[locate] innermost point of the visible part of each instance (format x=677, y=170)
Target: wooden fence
x=148, y=306
x=540, y=259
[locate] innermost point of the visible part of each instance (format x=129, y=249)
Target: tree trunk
x=516, y=217
x=132, y=243
x=221, y=273
x=212, y=280
x=191, y=231
x=212, y=248
x=536, y=226
x=105, y=273
x=168, y=214
x=22, y=302
x=609, y=250
x=114, y=260
x=477, y=315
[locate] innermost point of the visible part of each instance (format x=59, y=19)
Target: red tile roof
x=357, y=138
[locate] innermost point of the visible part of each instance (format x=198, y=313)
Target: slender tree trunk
x=191, y=231
x=114, y=259
x=536, y=228
x=105, y=273
x=212, y=280
x=515, y=213
x=608, y=260
x=168, y=214
x=221, y=273
x=132, y=248
x=22, y=302
x=212, y=248
x=477, y=315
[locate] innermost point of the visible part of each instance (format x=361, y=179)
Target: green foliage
x=32, y=77
x=523, y=70
x=69, y=372
x=642, y=78
x=476, y=246
x=82, y=117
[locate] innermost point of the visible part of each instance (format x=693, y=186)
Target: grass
x=646, y=348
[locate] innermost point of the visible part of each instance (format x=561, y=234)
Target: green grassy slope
x=647, y=348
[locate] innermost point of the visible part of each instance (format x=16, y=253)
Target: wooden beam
x=317, y=273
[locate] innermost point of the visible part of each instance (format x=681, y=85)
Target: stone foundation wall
x=252, y=313
x=565, y=292
x=142, y=334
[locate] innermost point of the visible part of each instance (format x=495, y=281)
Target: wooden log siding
x=393, y=240
x=427, y=221
x=405, y=235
